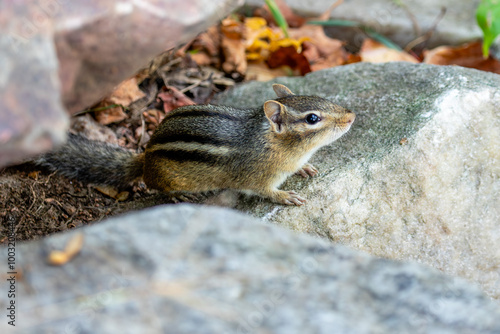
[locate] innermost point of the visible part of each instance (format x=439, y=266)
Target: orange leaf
x=261, y=72
x=289, y=56
x=126, y=93
x=235, y=60
x=467, y=55
x=375, y=52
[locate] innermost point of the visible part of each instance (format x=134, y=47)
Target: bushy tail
x=94, y=162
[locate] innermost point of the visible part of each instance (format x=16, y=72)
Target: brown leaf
x=122, y=196
x=109, y=115
x=261, y=72
x=311, y=52
x=208, y=41
x=172, y=98
x=232, y=29
x=34, y=174
x=319, y=62
x=375, y=52
x=326, y=46
x=126, y=93
x=233, y=47
x=235, y=60
x=353, y=58
x=201, y=58
x=113, y=193
x=288, y=56
x=207, y=46
x=467, y=55
x=327, y=50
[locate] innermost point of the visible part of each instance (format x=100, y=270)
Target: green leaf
x=381, y=39
x=488, y=19
x=278, y=17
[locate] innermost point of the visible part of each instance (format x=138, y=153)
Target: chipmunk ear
x=274, y=112
x=282, y=90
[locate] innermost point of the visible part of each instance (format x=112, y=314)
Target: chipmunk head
x=312, y=119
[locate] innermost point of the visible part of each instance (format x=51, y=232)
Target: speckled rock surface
x=190, y=269
x=418, y=175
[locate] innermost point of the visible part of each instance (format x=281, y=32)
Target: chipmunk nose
x=350, y=117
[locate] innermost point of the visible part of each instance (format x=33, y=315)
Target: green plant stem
x=278, y=17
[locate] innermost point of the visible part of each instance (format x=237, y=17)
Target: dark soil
x=41, y=203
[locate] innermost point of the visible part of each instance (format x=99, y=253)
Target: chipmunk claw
x=184, y=197
x=307, y=170
x=294, y=199
x=285, y=197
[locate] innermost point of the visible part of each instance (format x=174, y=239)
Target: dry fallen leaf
x=206, y=48
x=172, y=98
x=321, y=51
x=34, y=174
x=316, y=35
x=208, y=41
x=375, y=52
x=288, y=56
x=319, y=62
x=126, y=93
x=73, y=247
x=261, y=72
x=201, y=58
x=233, y=47
x=468, y=55
x=113, y=193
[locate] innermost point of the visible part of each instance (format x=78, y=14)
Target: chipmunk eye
x=312, y=119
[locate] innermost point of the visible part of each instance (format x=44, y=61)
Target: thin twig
x=188, y=88
x=427, y=36
x=326, y=14
x=416, y=27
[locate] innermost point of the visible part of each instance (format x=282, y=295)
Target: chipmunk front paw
x=307, y=170
x=287, y=197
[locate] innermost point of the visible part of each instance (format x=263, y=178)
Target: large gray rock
x=189, y=269
x=418, y=175
x=387, y=17
x=76, y=52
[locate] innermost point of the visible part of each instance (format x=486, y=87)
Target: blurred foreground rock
x=191, y=269
x=98, y=44
x=418, y=175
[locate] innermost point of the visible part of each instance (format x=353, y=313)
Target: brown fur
x=208, y=147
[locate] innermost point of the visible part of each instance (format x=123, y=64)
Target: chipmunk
x=200, y=148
